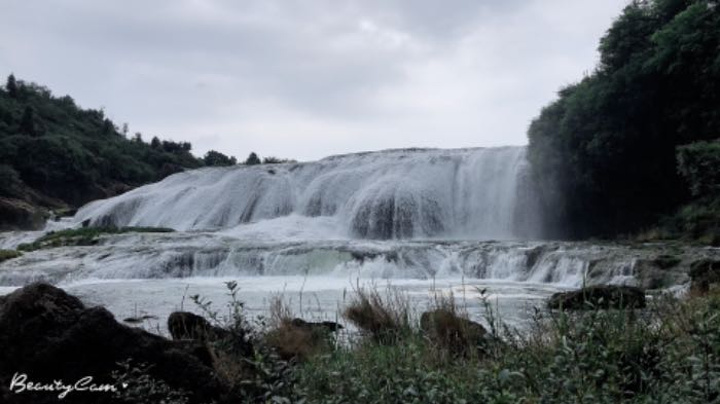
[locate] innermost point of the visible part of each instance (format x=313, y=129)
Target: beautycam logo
x=20, y=384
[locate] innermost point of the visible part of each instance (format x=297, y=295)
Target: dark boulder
x=330, y=326
x=18, y=214
x=703, y=274
x=298, y=339
x=452, y=331
x=50, y=335
x=599, y=297
x=184, y=325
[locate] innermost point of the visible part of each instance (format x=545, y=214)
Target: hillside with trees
x=57, y=156
x=633, y=146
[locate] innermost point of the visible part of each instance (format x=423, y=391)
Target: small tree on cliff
x=217, y=159
x=155, y=143
x=11, y=86
x=253, y=159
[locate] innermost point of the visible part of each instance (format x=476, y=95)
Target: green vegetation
x=699, y=164
x=632, y=142
x=9, y=254
x=666, y=353
x=253, y=159
x=669, y=355
x=84, y=236
x=53, y=150
x=57, y=155
x=383, y=318
x=217, y=159
x=276, y=160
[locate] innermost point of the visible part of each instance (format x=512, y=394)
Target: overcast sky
x=307, y=79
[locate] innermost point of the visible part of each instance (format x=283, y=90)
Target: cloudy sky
x=306, y=79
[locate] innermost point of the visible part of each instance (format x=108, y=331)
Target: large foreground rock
x=50, y=335
x=599, y=297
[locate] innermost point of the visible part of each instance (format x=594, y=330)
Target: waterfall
x=478, y=194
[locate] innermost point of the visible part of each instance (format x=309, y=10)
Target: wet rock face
x=660, y=272
x=599, y=297
x=50, y=335
x=17, y=214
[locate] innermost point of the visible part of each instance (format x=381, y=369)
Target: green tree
x=70, y=163
x=11, y=86
x=604, y=153
x=215, y=158
x=28, y=125
x=699, y=165
x=253, y=159
x=10, y=183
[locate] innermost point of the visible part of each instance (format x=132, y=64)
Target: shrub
x=254, y=375
x=9, y=254
x=668, y=353
x=84, y=236
x=384, y=318
x=450, y=329
x=141, y=388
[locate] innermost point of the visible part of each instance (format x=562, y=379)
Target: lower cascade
x=212, y=254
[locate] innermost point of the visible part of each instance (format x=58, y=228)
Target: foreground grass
x=85, y=236
x=669, y=353
x=666, y=353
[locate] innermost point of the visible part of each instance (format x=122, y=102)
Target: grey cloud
x=308, y=78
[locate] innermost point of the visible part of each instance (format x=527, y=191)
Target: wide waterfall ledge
x=478, y=194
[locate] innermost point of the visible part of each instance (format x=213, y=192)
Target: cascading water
x=401, y=214
x=419, y=218
x=475, y=194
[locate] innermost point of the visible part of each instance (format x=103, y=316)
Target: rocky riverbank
x=57, y=349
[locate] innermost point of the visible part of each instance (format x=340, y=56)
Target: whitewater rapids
x=455, y=221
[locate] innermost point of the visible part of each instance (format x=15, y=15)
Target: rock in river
x=599, y=297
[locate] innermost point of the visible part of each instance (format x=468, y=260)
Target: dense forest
x=56, y=155
x=632, y=148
